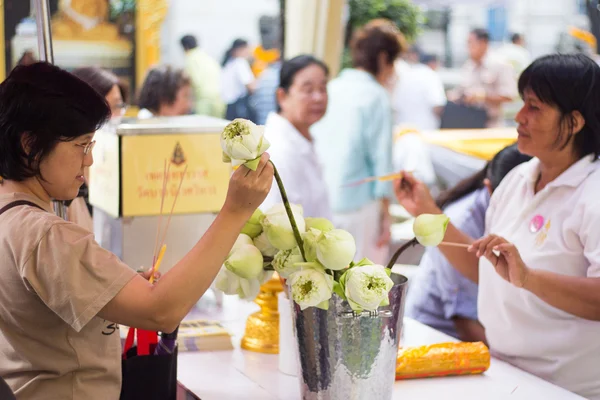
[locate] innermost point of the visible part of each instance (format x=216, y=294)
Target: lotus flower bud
x=430, y=229
x=245, y=261
x=335, y=249
x=278, y=228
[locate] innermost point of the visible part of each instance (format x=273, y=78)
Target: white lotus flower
x=245, y=261
x=430, y=229
x=253, y=228
x=286, y=262
x=243, y=142
x=311, y=286
x=366, y=287
x=265, y=247
x=278, y=228
x=321, y=224
x=335, y=249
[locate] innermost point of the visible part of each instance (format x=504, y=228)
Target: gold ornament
x=262, y=327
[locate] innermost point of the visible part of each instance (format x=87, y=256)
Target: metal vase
x=348, y=356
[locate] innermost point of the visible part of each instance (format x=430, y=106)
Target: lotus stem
x=401, y=250
x=288, y=210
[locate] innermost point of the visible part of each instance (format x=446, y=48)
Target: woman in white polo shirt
x=301, y=101
x=538, y=266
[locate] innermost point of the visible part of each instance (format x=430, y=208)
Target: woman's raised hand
x=248, y=189
x=414, y=196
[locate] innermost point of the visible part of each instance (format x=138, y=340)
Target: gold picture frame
x=149, y=17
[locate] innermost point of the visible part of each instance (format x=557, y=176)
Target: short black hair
x=515, y=37
x=291, y=67
x=570, y=82
x=189, y=42
x=481, y=34
x=161, y=86
x=237, y=44
x=41, y=105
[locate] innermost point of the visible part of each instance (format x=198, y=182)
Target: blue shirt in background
x=439, y=292
x=354, y=140
x=264, y=97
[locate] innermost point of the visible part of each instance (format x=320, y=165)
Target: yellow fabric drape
x=480, y=143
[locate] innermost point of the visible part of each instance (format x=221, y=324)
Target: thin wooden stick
x=173, y=206
x=162, y=202
x=452, y=244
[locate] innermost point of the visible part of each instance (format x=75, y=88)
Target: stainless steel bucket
x=345, y=356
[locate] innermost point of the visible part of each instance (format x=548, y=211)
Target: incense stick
x=381, y=178
x=452, y=244
x=162, y=202
x=162, y=242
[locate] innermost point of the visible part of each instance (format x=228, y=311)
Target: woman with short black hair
x=538, y=265
x=301, y=102
x=61, y=295
x=166, y=92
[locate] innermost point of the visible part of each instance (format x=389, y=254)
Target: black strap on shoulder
x=18, y=203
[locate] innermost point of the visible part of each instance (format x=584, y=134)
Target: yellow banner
x=480, y=143
x=204, y=184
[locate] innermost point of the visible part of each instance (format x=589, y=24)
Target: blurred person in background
x=107, y=85
x=354, y=139
x=515, y=53
x=301, y=102
x=166, y=92
x=418, y=101
x=486, y=81
x=238, y=81
x=263, y=97
x=418, y=98
x=439, y=295
x=205, y=75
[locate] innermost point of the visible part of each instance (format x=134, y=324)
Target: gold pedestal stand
x=262, y=327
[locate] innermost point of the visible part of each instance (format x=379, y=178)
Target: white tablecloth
x=240, y=374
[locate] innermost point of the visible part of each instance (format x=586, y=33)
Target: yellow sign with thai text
x=204, y=184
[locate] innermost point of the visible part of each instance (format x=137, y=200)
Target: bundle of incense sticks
x=167, y=343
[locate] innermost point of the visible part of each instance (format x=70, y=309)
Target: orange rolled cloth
x=443, y=359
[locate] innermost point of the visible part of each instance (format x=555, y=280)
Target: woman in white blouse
x=538, y=264
x=302, y=101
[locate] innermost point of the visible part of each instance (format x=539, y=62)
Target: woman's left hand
x=505, y=258
x=147, y=273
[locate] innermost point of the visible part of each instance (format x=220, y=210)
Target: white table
x=240, y=374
